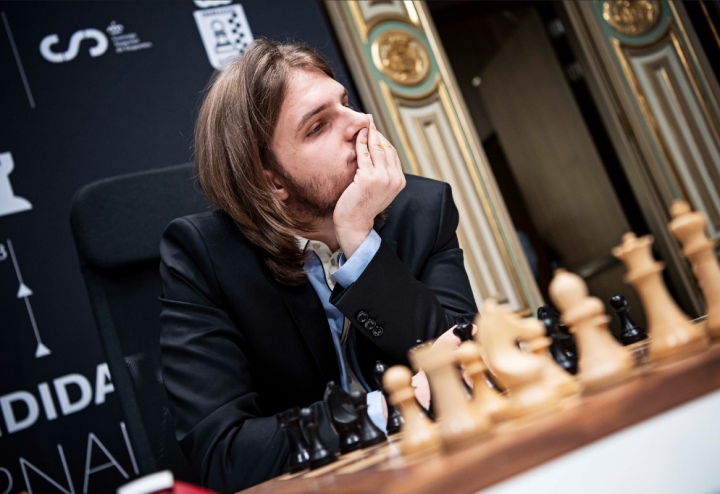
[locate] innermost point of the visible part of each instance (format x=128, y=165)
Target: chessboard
x=505, y=453
x=519, y=405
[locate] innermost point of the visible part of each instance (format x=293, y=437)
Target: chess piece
x=629, y=331
x=520, y=371
x=563, y=348
x=689, y=228
x=9, y=202
x=486, y=401
x=320, y=455
x=463, y=329
x=552, y=374
x=340, y=410
x=369, y=432
x=671, y=333
x=603, y=361
x=299, y=450
x=394, y=420
x=459, y=424
x=419, y=434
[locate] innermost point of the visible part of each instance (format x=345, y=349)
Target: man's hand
x=420, y=381
x=378, y=179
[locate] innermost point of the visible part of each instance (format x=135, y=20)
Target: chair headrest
x=119, y=221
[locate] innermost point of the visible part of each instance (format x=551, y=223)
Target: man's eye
x=315, y=129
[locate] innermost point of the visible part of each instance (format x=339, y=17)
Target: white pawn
x=670, y=331
x=602, y=360
x=419, y=434
x=689, y=228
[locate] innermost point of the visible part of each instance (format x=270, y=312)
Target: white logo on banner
x=24, y=292
x=203, y=4
x=225, y=32
x=122, y=42
x=125, y=42
x=101, y=45
x=9, y=202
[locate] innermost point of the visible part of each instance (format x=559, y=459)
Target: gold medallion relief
x=632, y=17
x=401, y=57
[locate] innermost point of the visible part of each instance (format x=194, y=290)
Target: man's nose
x=358, y=120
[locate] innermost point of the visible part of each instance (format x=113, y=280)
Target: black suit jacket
x=238, y=347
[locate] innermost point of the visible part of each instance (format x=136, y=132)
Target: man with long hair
x=321, y=258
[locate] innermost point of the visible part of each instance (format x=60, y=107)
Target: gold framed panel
x=429, y=121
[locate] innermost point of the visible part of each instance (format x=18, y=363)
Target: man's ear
x=277, y=185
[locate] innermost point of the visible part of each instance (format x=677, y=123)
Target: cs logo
x=100, y=47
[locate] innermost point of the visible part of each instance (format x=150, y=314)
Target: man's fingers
x=362, y=150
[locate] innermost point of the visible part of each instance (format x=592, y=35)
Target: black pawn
x=339, y=407
x=394, y=420
x=369, y=432
x=463, y=329
x=320, y=455
x=299, y=451
x=629, y=331
x=562, y=348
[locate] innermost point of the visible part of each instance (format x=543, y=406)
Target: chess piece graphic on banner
x=689, y=228
x=419, y=434
x=224, y=30
x=24, y=292
x=460, y=424
x=9, y=202
x=485, y=399
x=603, y=361
x=222, y=43
x=521, y=372
x=671, y=332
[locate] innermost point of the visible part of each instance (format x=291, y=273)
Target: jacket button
x=362, y=316
x=370, y=324
x=378, y=331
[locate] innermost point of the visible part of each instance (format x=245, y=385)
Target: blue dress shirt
x=325, y=268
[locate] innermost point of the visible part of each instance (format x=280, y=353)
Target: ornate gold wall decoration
x=631, y=17
x=401, y=57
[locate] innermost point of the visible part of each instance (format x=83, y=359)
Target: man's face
x=314, y=142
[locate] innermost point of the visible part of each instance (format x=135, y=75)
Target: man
x=318, y=262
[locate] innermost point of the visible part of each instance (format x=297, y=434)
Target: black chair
x=117, y=224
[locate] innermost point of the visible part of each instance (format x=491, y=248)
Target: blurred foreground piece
x=419, y=434
x=689, y=228
x=671, y=332
x=563, y=348
x=521, y=372
x=603, y=361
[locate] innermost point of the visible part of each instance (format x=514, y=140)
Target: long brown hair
x=233, y=134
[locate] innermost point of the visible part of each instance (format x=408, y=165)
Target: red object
x=185, y=488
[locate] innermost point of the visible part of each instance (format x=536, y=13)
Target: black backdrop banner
x=90, y=90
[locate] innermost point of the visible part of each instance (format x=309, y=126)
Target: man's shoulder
x=422, y=190
x=423, y=183
x=213, y=225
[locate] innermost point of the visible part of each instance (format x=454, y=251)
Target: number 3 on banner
x=3, y=253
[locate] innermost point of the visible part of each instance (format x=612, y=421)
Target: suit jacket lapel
x=309, y=316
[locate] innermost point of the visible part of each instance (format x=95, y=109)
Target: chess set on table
x=524, y=409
